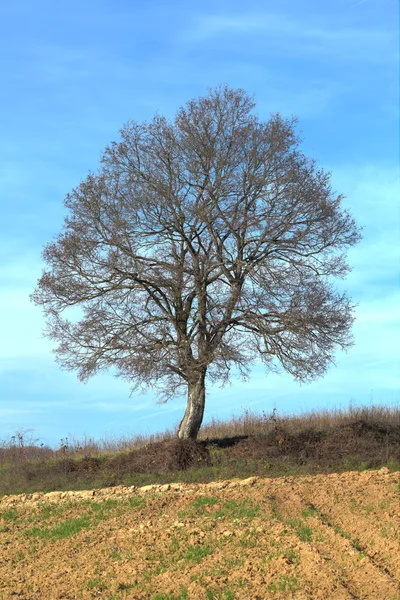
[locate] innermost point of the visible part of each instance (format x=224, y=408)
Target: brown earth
x=318, y=537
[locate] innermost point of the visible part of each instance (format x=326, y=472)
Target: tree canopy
x=202, y=243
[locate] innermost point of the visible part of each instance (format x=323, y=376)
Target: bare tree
x=201, y=244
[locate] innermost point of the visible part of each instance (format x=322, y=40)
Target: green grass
x=202, y=501
x=310, y=511
x=50, y=521
x=283, y=584
x=220, y=595
x=183, y=595
x=210, y=505
x=249, y=539
x=340, y=531
x=196, y=553
x=96, y=584
x=200, y=507
x=245, y=510
x=292, y=556
x=64, y=530
x=303, y=531
x=137, y=502
x=9, y=516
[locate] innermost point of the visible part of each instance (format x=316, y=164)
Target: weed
x=283, y=584
x=108, y=504
x=196, y=553
x=9, y=516
x=310, y=511
x=356, y=545
x=64, y=530
x=125, y=586
x=205, y=501
x=174, y=544
x=303, y=531
x=137, y=502
x=231, y=562
x=232, y=509
x=339, y=531
x=292, y=556
x=276, y=513
x=183, y=595
x=96, y=584
x=249, y=539
x=46, y=511
x=388, y=530
x=200, y=507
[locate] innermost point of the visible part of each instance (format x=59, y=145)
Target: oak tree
x=201, y=244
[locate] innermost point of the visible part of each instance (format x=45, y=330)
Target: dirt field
x=327, y=536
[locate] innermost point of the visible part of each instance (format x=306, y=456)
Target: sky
x=73, y=73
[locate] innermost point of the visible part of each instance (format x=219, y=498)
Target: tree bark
x=193, y=417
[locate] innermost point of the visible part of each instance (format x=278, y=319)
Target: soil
x=322, y=537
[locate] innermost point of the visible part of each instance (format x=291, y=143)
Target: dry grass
x=260, y=444
x=253, y=423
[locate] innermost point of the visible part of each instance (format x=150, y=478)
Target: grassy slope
x=268, y=446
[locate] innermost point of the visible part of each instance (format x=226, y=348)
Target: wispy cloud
x=298, y=36
x=372, y=194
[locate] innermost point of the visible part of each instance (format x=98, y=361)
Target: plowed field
x=327, y=536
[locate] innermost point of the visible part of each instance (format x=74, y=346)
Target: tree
x=201, y=244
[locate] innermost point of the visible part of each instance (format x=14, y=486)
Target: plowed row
x=328, y=536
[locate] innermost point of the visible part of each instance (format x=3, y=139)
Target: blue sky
x=73, y=73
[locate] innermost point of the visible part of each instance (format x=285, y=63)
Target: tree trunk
x=193, y=417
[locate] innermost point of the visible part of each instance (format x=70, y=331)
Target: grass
x=49, y=523
x=220, y=595
x=196, y=553
x=203, y=501
x=253, y=444
x=182, y=596
x=210, y=505
x=310, y=511
x=303, y=531
x=64, y=530
x=9, y=515
x=283, y=584
x=245, y=510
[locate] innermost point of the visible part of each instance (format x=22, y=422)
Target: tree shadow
x=226, y=442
